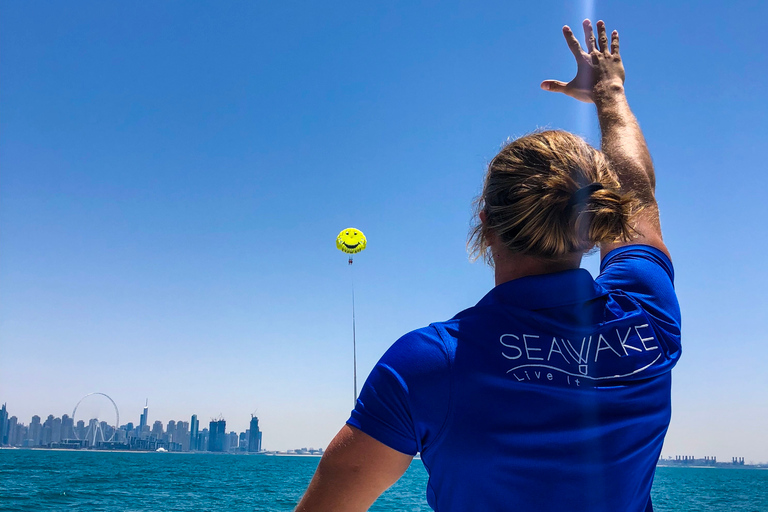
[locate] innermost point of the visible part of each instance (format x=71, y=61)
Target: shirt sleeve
x=646, y=275
x=404, y=401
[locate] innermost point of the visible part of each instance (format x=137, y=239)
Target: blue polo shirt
x=552, y=393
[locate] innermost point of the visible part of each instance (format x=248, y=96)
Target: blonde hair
x=538, y=200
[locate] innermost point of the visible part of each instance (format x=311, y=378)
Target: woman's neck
x=509, y=266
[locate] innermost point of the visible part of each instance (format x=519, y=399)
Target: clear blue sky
x=174, y=175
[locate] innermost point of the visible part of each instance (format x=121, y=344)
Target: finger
x=615, y=42
x=589, y=36
x=602, y=39
x=573, y=43
x=554, y=85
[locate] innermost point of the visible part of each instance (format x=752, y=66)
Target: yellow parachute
x=351, y=241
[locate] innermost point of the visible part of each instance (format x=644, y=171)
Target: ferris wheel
x=94, y=431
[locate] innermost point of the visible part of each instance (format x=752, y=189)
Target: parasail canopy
x=351, y=241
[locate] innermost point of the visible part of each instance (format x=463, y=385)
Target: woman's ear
x=490, y=236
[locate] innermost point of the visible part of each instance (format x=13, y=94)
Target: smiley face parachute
x=351, y=241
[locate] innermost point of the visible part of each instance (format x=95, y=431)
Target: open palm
x=598, y=67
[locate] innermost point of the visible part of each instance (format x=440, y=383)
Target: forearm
x=623, y=143
x=624, y=146
x=600, y=80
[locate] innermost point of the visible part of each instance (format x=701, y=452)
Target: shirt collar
x=545, y=290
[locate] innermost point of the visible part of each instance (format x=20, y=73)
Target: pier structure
x=692, y=461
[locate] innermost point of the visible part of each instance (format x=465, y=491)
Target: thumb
x=553, y=85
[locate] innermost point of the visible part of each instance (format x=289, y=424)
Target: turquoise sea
x=45, y=480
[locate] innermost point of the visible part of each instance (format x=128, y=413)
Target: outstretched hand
x=599, y=68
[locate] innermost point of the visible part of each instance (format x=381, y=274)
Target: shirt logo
x=600, y=356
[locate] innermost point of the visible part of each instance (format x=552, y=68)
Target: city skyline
x=94, y=432
x=144, y=410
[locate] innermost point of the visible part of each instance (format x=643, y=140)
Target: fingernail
x=545, y=86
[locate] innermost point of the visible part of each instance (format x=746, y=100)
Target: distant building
x=17, y=432
x=243, y=442
x=182, y=434
x=254, y=435
x=12, y=432
x=3, y=426
x=47, y=432
x=217, y=431
x=35, y=431
x=67, y=427
x=56, y=430
x=143, y=426
x=231, y=442
x=194, y=425
x=170, y=432
x=157, y=429
x=107, y=431
x=22, y=433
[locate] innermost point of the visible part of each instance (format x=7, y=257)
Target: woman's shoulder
x=420, y=350
x=646, y=275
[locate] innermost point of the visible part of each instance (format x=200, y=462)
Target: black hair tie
x=582, y=194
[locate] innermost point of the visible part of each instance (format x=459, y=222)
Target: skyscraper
x=170, y=432
x=216, y=435
x=35, y=430
x=231, y=442
x=56, y=430
x=143, y=420
x=47, y=431
x=12, y=432
x=3, y=426
x=194, y=425
x=106, y=430
x=21, y=435
x=157, y=429
x=67, y=427
x=254, y=437
x=182, y=434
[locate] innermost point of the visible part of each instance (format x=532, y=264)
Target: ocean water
x=32, y=480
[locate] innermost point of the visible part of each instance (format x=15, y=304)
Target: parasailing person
x=352, y=241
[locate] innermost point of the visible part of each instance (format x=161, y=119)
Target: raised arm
x=600, y=80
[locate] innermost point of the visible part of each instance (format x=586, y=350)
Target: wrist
x=608, y=91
